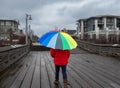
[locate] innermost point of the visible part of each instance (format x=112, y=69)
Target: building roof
x=81, y=19
x=9, y=20
x=98, y=16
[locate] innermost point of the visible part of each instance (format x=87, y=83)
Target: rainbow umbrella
x=57, y=39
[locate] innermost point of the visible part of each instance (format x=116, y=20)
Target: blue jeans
x=57, y=69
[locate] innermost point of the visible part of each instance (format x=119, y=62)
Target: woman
x=60, y=60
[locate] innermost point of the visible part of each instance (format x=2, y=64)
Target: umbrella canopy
x=58, y=40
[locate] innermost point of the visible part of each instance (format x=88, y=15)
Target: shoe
x=65, y=83
x=56, y=82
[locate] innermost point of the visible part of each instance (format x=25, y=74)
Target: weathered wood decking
x=85, y=70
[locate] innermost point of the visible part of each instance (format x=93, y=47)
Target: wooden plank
x=95, y=76
x=36, y=77
x=11, y=74
x=105, y=62
x=26, y=82
x=82, y=79
x=44, y=76
x=104, y=73
x=50, y=71
x=108, y=68
x=74, y=80
x=18, y=81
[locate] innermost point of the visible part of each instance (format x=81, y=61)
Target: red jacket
x=60, y=56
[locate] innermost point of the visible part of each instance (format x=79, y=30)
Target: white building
x=103, y=29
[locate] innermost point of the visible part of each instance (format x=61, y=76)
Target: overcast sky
x=50, y=14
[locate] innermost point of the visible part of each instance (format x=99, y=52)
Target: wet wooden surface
x=85, y=70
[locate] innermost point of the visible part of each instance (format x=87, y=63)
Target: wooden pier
x=85, y=70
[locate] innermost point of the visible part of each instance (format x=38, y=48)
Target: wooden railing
x=10, y=56
x=103, y=49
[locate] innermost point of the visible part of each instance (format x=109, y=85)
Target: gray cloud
x=47, y=14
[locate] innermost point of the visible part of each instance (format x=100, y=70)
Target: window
x=8, y=23
x=110, y=20
x=2, y=23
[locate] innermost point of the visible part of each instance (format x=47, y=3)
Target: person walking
x=61, y=58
